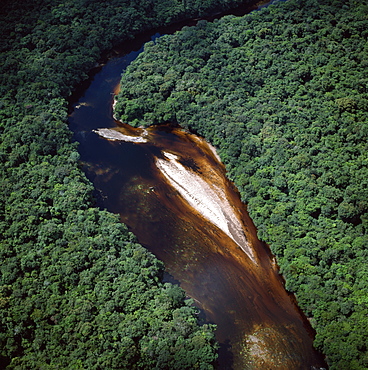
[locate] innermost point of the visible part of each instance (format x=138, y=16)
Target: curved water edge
x=212, y=250
x=206, y=198
x=240, y=288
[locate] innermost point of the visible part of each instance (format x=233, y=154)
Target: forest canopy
x=282, y=94
x=76, y=289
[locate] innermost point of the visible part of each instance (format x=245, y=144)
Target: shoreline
x=206, y=198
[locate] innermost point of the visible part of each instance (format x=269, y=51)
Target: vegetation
x=282, y=94
x=76, y=290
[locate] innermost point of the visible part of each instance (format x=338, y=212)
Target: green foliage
x=76, y=290
x=88, y=288
x=282, y=94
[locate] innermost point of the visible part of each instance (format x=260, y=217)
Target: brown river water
x=172, y=192
x=239, y=290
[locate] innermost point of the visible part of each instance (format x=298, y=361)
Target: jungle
x=281, y=93
x=76, y=289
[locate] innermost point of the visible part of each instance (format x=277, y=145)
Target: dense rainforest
x=282, y=94
x=76, y=289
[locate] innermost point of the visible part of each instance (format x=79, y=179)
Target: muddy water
x=259, y=326
x=245, y=297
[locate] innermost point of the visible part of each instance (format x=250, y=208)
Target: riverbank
x=183, y=208
x=201, y=190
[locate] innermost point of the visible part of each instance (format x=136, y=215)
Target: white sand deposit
x=204, y=196
x=209, y=200
x=111, y=134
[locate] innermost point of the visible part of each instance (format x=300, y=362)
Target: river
x=212, y=252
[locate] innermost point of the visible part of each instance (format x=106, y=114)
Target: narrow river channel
x=170, y=188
